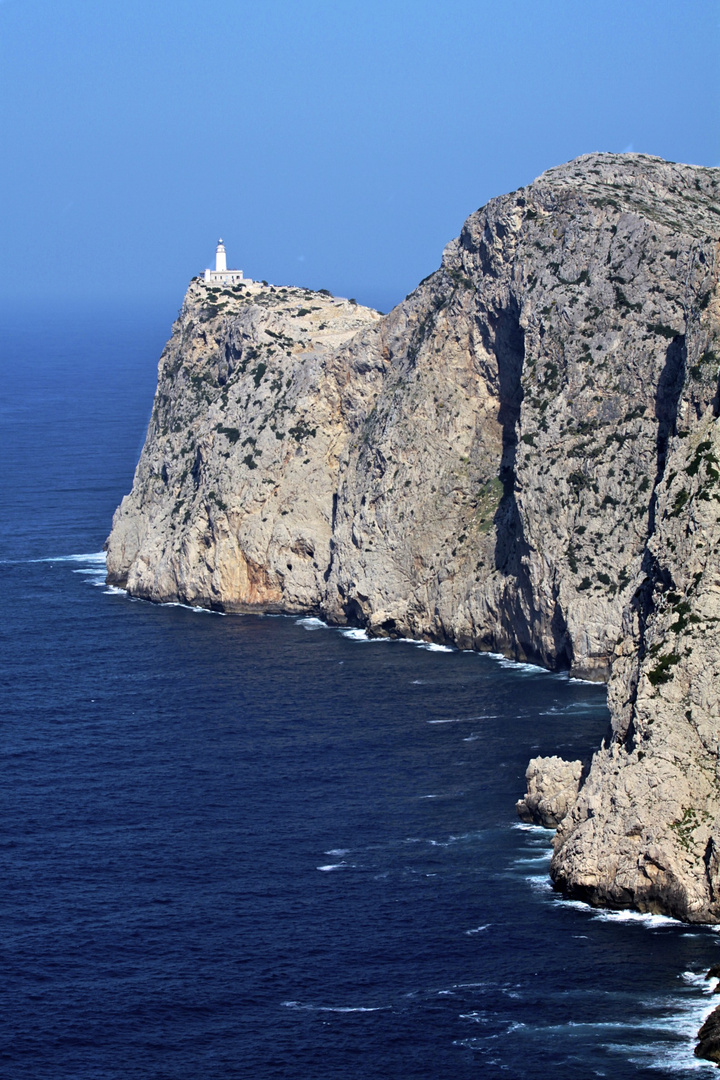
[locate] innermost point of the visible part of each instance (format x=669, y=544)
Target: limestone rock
x=521, y=457
x=231, y=506
x=645, y=831
x=552, y=788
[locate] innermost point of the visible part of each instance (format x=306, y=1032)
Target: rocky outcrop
x=552, y=788
x=232, y=502
x=521, y=457
x=708, y=1046
x=645, y=831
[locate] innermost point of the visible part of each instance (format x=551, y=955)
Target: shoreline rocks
x=552, y=788
x=708, y=1046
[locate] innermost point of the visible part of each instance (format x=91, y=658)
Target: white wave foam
x=333, y=866
x=356, y=634
x=311, y=623
x=97, y=557
x=699, y=979
x=464, y=719
x=653, y=921
x=188, y=607
x=92, y=576
x=663, y=1057
x=337, y=851
x=531, y=860
x=581, y=707
x=528, y=827
x=90, y=566
x=479, y=929
x=539, y=883
x=517, y=665
x=335, y=1008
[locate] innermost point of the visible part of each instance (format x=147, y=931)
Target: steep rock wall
x=520, y=457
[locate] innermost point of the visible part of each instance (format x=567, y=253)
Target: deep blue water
x=259, y=847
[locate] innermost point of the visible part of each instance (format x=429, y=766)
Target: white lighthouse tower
x=221, y=275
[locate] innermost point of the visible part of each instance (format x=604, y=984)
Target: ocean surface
x=260, y=847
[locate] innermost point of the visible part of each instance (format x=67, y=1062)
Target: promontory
x=522, y=457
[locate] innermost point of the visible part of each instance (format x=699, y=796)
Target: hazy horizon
x=331, y=145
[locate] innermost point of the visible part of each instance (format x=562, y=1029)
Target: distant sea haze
x=251, y=846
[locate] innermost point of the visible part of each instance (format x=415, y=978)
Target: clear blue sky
x=332, y=143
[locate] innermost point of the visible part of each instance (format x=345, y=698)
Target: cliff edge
x=521, y=457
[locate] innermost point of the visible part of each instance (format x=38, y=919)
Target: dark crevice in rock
x=354, y=613
x=667, y=398
x=508, y=344
x=653, y=576
x=506, y=340
x=562, y=642
x=196, y=469
x=711, y=862
x=326, y=575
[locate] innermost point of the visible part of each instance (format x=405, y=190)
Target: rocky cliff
x=521, y=457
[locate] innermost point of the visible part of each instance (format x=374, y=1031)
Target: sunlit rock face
x=521, y=457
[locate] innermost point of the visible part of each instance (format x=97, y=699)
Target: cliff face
x=231, y=506
x=520, y=457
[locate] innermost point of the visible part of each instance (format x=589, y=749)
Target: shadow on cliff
x=521, y=622
x=667, y=398
x=653, y=574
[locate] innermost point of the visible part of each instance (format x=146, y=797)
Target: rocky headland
x=522, y=457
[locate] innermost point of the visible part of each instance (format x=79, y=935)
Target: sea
x=246, y=846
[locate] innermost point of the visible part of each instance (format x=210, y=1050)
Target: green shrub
x=661, y=673
x=258, y=372
x=662, y=330
x=231, y=433
x=680, y=499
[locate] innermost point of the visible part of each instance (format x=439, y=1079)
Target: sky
x=335, y=144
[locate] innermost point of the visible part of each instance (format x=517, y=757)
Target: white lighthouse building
x=221, y=275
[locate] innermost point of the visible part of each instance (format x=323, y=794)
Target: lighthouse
x=221, y=275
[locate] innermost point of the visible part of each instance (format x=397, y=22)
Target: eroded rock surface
x=521, y=457
x=552, y=788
